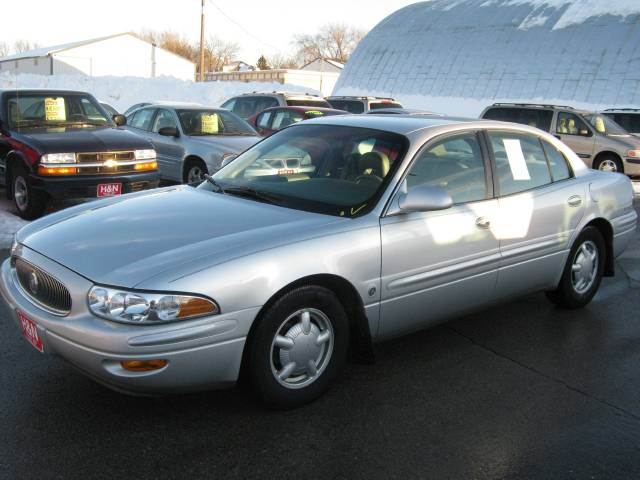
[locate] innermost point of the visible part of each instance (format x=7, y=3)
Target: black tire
x=608, y=163
x=189, y=165
x=264, y=363
x=566, y=295
x=30, y=203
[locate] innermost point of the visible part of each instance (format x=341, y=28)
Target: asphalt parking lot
x=519, y=390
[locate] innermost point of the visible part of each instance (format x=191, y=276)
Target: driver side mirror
x=120, y=120
x=169, y=132
x=584, y=133
x=424, y=198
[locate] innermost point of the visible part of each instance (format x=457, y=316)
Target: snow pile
x=122, y=92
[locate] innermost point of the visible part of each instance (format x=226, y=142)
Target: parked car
x=249, y=104
x=109, y=109
x=62, y=144
x=600, y=142
x=191, y=141
x=362, y=104
x=273, y=119
x=399, y=224
x=402, y=111
x=627, y=118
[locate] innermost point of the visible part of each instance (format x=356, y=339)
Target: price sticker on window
x=209, y=123
x=54, y=109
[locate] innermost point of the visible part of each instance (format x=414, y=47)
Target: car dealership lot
x=520, y=390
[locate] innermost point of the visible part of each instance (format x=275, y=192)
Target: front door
x=169, y=150
x=577, y=135
x=437, y=264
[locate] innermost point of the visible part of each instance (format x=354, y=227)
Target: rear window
x=351, y=106
x=378, y=105
x=302, y=102
x=534, y=117
x=249, y=105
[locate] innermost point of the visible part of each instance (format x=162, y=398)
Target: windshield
x=605, y=125
x=201, y=122
x=351, y=106
x=31, y=110
x=335, y=170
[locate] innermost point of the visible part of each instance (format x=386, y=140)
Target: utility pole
x=201, y=76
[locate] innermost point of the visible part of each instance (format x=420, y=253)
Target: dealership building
x=457, y=56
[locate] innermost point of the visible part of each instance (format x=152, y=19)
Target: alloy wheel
x=585, y=267
x=20, y=192
x=195, y=174
x=608, y=166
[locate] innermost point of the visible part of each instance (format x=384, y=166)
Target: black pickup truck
x=63, y=144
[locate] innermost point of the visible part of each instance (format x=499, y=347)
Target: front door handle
x=483, y=222
x=575, y=201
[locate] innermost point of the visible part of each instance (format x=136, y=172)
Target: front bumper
x=632, y=167
x=202, y=354
x=86, y=186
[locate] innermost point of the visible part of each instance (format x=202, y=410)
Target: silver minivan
x=598, y=140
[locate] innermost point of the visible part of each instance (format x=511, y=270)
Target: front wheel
x=299, y=347
x=583, y=271
x=609, y=164
x=194, y=171
x=29, y=202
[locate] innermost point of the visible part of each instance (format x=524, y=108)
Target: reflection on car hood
x=125, y=241
x=62, y=139
x=230, y=144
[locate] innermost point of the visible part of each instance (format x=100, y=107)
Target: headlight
x=147, y=308
x=145, y=154
x=58, y=158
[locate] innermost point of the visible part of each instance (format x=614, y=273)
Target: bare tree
x=4, y=49
x=218, y=53
x=174, y=42
x=334, y=41
x=282, y=61
x=21, y=46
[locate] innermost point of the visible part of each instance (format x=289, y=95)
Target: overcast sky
x=272, y=23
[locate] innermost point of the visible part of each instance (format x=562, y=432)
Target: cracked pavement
x=518, y=390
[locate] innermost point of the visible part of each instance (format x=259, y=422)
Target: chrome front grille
x=42, y=288
x=101, y=157
x=105, y=162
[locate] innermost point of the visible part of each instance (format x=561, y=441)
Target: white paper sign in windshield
x=209, y=123
x=54, y=110
x=515, y=156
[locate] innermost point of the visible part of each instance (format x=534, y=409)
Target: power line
x=247, y=32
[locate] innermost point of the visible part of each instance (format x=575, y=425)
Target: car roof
x=303, y=108
x=402, y=124
x=359, y=97
x=18, y=91
x=539, y=106
x=621, y=110
x=286, y=94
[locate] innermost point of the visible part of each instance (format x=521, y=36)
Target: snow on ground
x=122, y=92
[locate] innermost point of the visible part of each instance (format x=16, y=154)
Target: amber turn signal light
x=44, y=170
x=146, y=166
x=196, y=306
x=143, y=365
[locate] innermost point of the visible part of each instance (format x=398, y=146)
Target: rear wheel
x=194, y=171
x=583, y=271
x=609, y=164
x=29, y=202
x=299, y=347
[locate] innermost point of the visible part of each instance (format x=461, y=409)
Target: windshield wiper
x=251, y=193
x=210, y=179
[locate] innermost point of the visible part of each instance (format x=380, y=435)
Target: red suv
x=273, y=119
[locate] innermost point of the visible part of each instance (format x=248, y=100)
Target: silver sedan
x=191, y=141
x=395, y=223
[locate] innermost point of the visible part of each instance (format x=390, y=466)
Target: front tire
x=29, y=202
x=194, y=171
x=583, y=271
x=609, y=164
x=299, y=347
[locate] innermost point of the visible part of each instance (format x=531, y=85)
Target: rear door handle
x=483, y=222
x=575, y=201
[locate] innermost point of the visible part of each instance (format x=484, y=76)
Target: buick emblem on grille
x=33, y=282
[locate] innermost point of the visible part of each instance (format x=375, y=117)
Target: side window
x=455, y=165
x=520, y=162
x=90, y=111
x=163, y=119
x=557, y=162
x=142, y=119
x=571, y=124
x=263, y=120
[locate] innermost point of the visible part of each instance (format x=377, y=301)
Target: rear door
x=436, y=264
x=576, y=134
x=540, y=204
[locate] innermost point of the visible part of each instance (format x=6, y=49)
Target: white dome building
x=458, y=56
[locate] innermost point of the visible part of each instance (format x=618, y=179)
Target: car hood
x=629, y=140
x=126, y=241
x=62, y=140
x=230, y=144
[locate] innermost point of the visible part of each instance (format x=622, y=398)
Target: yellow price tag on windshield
x=54, y=109
x=209, y=123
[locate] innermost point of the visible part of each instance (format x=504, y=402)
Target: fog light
x=143, y=365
